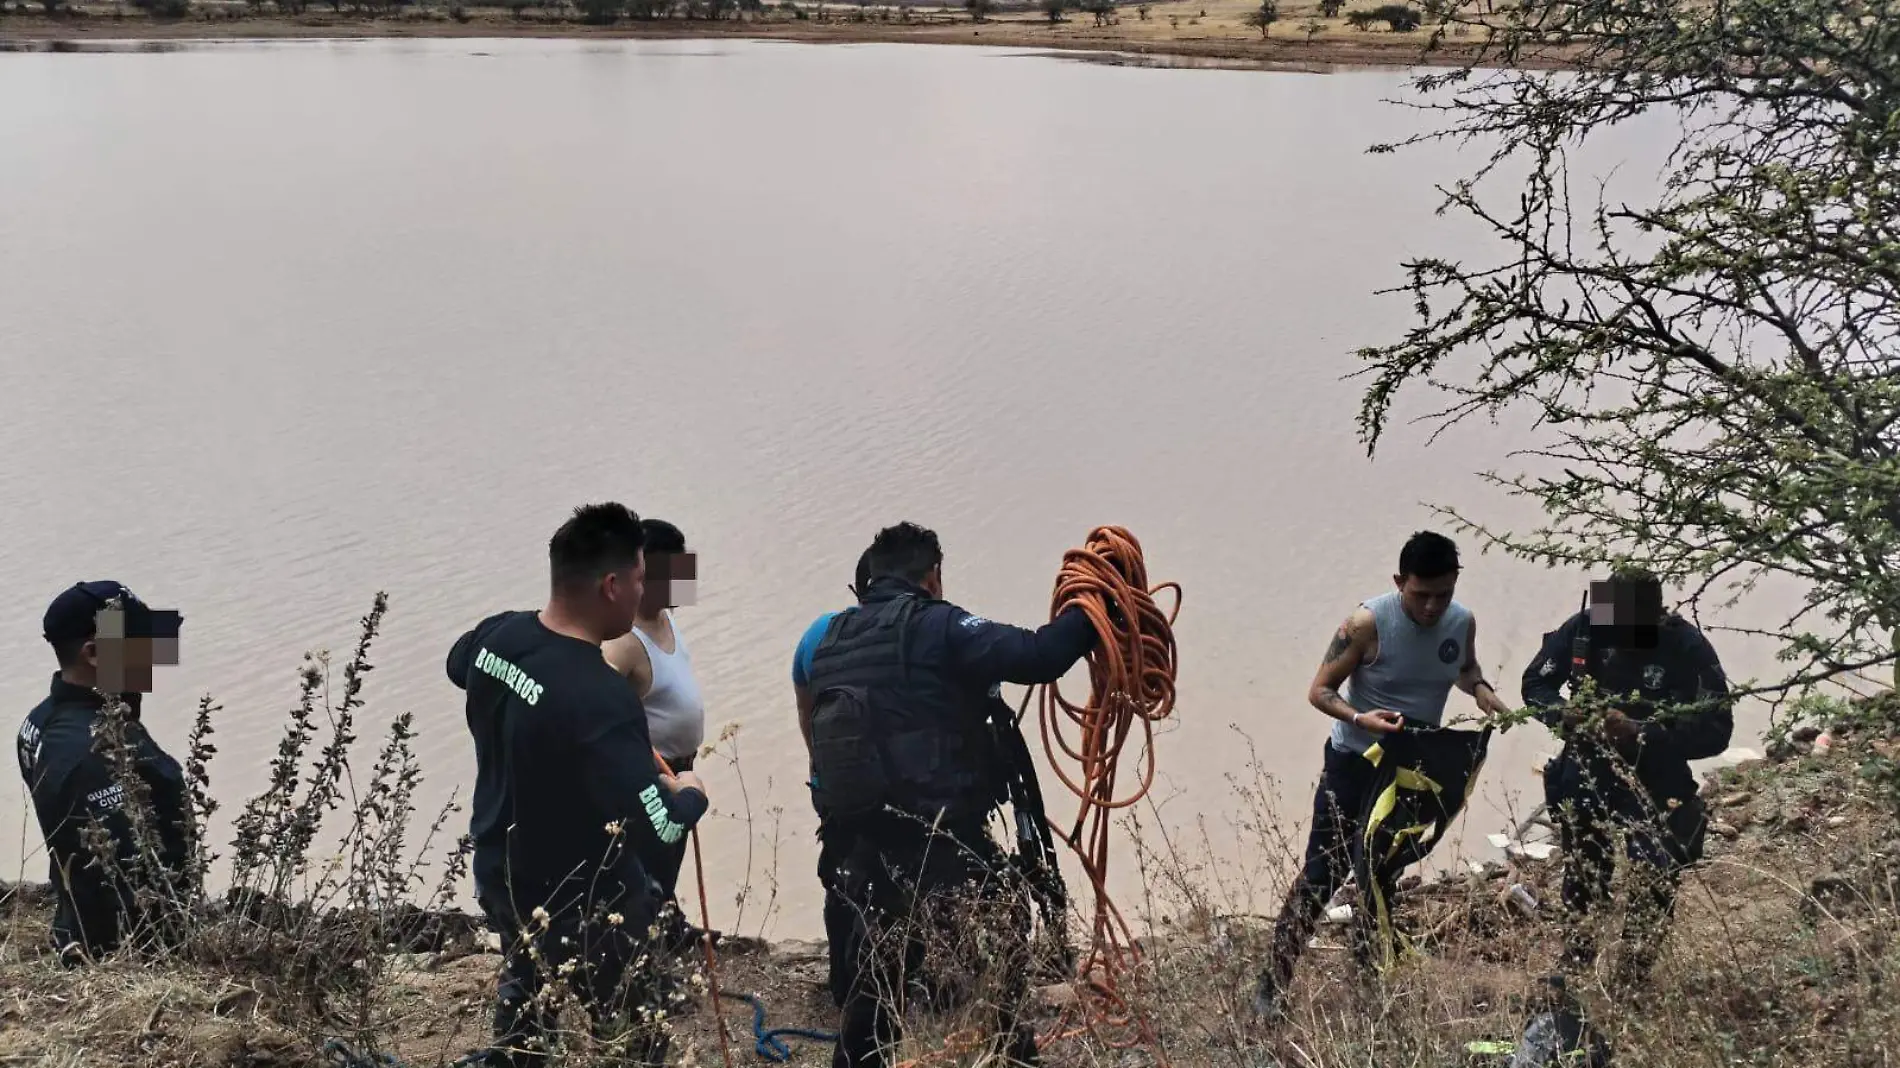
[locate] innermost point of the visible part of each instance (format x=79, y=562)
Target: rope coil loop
x=1131, y=681
x=770, y=1043
x=1132, y=674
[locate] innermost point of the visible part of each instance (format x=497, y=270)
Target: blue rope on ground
x=770, y=1044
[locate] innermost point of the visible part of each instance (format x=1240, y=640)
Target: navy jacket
x=73, y=786
x=1677, y=691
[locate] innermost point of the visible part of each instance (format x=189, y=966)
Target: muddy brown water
x=286, y=324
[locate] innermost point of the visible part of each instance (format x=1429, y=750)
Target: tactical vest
x=889, y=724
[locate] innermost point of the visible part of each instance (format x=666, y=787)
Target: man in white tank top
x=654, y=659
x=1398, y=656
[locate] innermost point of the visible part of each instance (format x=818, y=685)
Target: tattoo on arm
x=1342, y=641
x=1331, y=695
x=1340, y=653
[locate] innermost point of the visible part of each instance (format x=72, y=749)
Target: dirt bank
x=1782, y=941
x=1177, y=33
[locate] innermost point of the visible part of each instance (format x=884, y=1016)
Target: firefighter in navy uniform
x=571, y=814
x=907, y=774
x=1625, y=772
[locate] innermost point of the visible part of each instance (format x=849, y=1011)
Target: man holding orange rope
x=907, y=773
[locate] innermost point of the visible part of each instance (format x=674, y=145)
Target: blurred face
x=620, y=596
x=1625, y=615
x=1425, y=600
x=123, y=663
x=672, y=580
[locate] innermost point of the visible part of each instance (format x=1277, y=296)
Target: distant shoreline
x=1175, y=34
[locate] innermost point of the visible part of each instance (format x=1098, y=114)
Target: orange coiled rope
x=1131, y=683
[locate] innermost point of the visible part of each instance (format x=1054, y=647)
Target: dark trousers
x=914, y=897
x=1331, y=846
x=666, y=869
x=1657, y=843
x=617, y=972
x=833, y=849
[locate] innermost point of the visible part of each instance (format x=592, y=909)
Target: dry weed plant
x=316, y=926
x=1781, y=951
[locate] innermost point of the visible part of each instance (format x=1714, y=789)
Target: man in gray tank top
x=1398, y=656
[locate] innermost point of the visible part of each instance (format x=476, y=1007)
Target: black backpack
x=848, y=725
x=847, y=754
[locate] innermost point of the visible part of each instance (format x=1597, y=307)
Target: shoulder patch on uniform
x=974, y=622
x=30, y=749
x=1550, y=666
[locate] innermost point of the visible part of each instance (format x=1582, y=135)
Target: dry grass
x=1783, y=942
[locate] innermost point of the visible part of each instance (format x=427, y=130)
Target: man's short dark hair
x=1428, y=555
x=662, y=537
x=66, y=650
x=861, y=579
x=906, y=551
x=597, y=540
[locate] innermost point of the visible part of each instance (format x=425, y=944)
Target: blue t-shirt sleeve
x=807, y=646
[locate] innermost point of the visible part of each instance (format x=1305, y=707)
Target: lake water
x=285, y=325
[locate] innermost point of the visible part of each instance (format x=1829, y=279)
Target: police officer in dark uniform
x=72, y=783
x=1661, y=701
x=833, y=848
x=906, y=763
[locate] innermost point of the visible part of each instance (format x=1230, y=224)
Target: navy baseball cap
x=74, y=613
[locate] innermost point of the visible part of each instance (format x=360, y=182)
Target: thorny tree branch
x=1716, y=367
